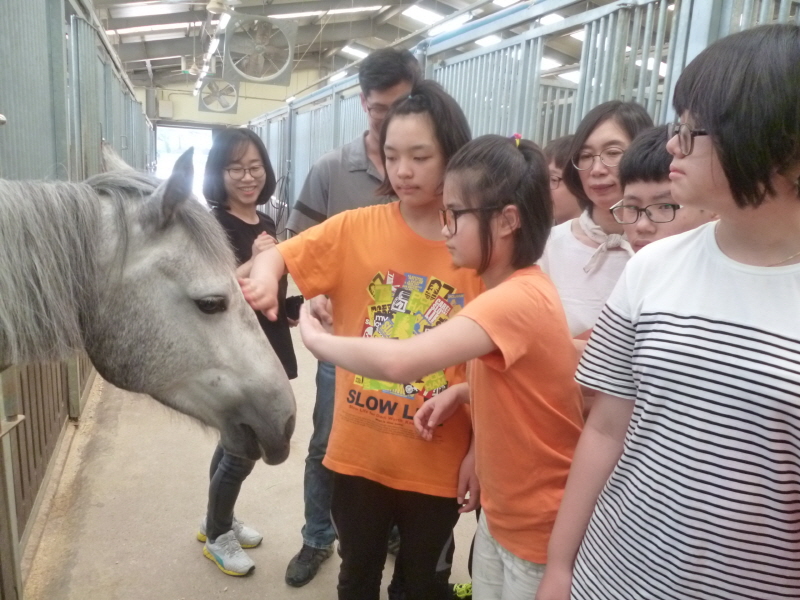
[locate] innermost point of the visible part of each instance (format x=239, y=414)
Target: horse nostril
x=289, y=429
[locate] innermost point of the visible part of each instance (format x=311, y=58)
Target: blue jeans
x=318, y=481
x=227, y=473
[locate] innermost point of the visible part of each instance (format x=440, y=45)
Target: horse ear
x=178, y=188
x=111, y=160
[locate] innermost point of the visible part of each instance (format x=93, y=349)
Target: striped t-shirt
x=705, y=501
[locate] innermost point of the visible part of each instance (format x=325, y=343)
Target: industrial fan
x=219, y=96
x=259, y=49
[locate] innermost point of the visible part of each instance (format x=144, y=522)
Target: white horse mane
x=49, y=238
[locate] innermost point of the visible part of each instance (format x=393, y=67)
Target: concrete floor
x=129, y=488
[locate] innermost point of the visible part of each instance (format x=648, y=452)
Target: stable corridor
x=130, y=485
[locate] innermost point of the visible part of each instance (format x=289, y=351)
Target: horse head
x=170, y=320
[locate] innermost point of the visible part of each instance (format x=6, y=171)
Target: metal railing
x=629, y=50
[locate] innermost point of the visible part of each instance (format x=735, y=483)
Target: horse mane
x=49, y=242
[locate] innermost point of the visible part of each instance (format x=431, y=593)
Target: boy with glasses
x=647, y=212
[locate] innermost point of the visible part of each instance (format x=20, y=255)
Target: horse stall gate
x=629, y=50
x=61, y=94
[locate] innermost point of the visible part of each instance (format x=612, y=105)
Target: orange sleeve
x=315, y=257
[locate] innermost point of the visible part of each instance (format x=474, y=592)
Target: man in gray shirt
x=342, y=179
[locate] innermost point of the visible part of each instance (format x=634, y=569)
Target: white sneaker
x=227, y=553
x=247, y=536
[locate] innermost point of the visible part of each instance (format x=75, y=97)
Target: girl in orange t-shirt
x=526, y=406
x=388, y=273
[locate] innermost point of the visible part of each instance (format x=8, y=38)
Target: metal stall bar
x=657, y=52
x=675, y=57
x=648, y=36
x=629, y=72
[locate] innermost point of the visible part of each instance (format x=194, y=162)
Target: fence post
x=10, y=555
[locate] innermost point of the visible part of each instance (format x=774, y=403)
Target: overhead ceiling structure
x=161, y=42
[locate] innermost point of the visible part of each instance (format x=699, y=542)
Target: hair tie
x=516, y=137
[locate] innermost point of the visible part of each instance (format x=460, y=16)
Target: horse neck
x=48, y=240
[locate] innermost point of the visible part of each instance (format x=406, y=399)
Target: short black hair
x=387, y=67
x=745, y=91
x=450, y=125
x=647, y=158
x=557, y=151
x=631, y=117
x=228, y=146
x=492, y=171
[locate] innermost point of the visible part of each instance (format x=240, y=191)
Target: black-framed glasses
x=448, y=217
x=379, y=111
x=238, y=172
x=610, y=157
x=555, y=180
x=686, y=136
x=661, y=212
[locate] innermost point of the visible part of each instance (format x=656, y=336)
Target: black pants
x=364, y=511
x=227, y=474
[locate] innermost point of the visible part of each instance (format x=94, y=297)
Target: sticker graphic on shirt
x=407, y=304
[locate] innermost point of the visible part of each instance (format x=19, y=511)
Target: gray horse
x=140, y=275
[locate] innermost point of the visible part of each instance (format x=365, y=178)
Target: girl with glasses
x=685, y=480
x=524, y=402
x=585, y=256
x=388, y=274
x=238, y=178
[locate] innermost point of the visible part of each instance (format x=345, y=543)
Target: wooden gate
x=41, y=392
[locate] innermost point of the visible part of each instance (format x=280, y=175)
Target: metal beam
x=259, y=9
x=331, y=33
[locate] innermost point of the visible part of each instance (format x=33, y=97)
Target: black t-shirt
x=241, y=236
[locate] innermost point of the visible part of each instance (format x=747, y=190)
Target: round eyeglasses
x=448, y=217
x=237, y=173
x=610, y=157
x=555, y=180
x=663, y=212
x=686, y=136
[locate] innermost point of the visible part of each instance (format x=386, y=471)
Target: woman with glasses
x=585, y=256
x=686, y=480
x=239, y=178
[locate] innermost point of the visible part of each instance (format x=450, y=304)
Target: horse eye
x=212, y=305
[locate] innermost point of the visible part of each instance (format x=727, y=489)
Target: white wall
x=254, y=99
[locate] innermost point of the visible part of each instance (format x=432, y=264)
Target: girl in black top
x=238, y=178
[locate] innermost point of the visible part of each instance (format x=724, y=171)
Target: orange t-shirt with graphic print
x=384, y=280
x=526, y=410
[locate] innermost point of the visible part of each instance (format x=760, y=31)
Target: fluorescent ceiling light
x=224, y=20
x=505, y=3
x=300, y=15
x=550, y=19
x=450, y=24
x=337, y=76
x=212, y=47
x=358, y=9
x=319, y=13
x=573, y=76
x=489, y=40
x=153, y=28
x=423, y=15
x=354, y=52
x=549, y=63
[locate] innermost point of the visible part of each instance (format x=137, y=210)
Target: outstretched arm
x=261, y=289
x=598, y=451
x=454, y=342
